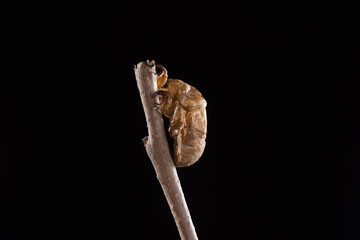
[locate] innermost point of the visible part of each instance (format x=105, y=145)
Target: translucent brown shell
x=186, y=109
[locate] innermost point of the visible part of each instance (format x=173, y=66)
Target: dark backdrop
x=282, y=154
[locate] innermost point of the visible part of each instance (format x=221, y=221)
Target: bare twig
x=158, y=151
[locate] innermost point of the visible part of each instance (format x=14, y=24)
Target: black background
x=282, y=154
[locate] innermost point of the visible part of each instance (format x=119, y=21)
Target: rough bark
x=158, y=151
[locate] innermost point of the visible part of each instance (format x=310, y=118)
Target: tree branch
x=158, y=151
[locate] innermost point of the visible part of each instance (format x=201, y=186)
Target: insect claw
x=158, y=92
x=163, y=70
x=154, y=94
x=162, y=77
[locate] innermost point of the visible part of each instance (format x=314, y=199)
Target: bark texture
x=158, y=151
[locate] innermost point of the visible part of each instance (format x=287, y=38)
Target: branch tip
x=150, y=64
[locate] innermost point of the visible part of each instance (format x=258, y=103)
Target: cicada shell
x=186, y=109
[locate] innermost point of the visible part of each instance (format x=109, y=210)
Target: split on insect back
x=186, y=109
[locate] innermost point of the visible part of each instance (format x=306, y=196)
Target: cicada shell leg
x=161, y=77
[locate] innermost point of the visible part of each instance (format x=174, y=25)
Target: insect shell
x=185, y=107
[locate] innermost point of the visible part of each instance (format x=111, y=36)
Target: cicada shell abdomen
x=186, y=108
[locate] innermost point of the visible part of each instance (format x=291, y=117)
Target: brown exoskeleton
x=185, y=107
